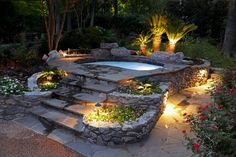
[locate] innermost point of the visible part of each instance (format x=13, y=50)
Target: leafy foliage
x=118, y=114
x=215, y=125
x=177, y=30
x=158, y=24
x=206, y=49
x=87, y=38
x=10, y=86
x=142, y=39
x=48, y=86
x=142, y=88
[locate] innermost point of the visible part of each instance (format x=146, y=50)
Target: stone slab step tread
x=99, y=87
x=65, y=92
x=79, y=109
x=57, y=103
x=90, y=97
x=62, y=136
x=65, y=120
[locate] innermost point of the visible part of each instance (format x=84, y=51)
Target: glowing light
x=170, y=110
x=202, y=72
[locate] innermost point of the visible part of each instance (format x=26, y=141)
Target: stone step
x=85, y=97
x=65, y=93
x=104, y=88
x=80, y=109
x=68, y=121
x=57, y=103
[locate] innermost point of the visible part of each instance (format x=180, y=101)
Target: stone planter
x=33, y=86
x=106, y=133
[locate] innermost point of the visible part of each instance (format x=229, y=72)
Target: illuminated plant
x=142, y=40
x=158, y=24
x=175, y=31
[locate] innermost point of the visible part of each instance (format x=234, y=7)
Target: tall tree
x=50, y=12
x=115, y=5
x=229, y=45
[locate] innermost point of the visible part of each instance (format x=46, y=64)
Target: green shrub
x=214, y=126
x=10, y=86
x=90, y=37
x=19, y=53
x=124, y=24
x=202, y=48
x=141, y=88
x=112, y=114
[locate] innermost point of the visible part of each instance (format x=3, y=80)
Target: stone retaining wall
x=130, y=132
x=189, y=77
x=138, y=101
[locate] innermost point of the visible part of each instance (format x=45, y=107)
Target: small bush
x=215, y=125
x=202, y=48
x=113, y=114
x=87, y=38
x=10, y=86
x=141, y=88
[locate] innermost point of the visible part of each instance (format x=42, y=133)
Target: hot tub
x=128, y=65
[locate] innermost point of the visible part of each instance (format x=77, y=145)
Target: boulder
x=120, y=52
x=108, y=45
x=100, y=53
x=53, y=55
x=166, y=56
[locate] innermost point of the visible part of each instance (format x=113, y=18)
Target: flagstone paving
x=165, y=140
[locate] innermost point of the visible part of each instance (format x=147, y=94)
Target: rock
x=10, y=102
x=53, y=55
x=108, y=45
x=129, y=139
x=45, y=57
x=166, y=56
x=100, y=53
x=120, y=52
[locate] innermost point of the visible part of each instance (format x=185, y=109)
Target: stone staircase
x=68, y=104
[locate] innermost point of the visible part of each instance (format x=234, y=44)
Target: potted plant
x=157, y=26
x=142, y=41
x=176, y=31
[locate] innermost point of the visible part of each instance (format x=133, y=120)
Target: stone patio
x=165, y=140
x=60, y=117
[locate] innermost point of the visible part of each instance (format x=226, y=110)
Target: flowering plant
x=214, y=126
x=11, y=86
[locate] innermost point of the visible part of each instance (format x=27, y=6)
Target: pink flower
x=232, y=90
x=196, y=146
x=220, y=107
x=214, y=127
x=202, y=118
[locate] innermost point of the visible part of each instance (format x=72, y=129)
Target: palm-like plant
x=158, y=24
x=142, y=41
x=175, y=32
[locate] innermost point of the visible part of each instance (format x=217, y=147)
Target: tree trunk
x=115, y=4
x=58, y=18
x=156, y=45
x=170, y=47
x=92, y=13
x=229, y=44
x=68, y=19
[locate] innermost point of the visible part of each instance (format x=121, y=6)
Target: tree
x=51, y=9
x=229, y=44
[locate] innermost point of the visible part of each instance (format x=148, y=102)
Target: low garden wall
x=106, y=133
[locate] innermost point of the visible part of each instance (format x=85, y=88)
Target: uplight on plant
x=157, y=25
x=142, y=41
x=176, y=31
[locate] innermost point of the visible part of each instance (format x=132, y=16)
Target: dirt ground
x=16, y=141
